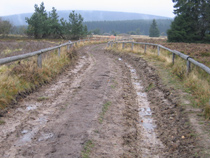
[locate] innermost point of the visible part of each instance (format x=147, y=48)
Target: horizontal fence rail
x=40, y=52
x=174, y=53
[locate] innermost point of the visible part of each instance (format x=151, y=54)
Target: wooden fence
x=188, y=59
x=42, y=51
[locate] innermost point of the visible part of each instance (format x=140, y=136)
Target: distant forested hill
x=129, y=26
x=19, y=19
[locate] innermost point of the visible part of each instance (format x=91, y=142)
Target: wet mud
x=169, y=121
x=114, y=100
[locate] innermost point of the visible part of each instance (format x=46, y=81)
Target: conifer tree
x=195, y=15
x=54, y=25
x=76, y=26
x=154, y=31
x=40, y=25
x=37, y=24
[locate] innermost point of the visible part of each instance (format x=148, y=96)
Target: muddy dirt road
x=115, y=101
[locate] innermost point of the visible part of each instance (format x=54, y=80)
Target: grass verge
x=24, y=76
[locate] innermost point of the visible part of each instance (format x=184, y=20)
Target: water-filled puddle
x=133, y=70
x=43, y=120
x=27, y=136
x=136, y=83
x=146, y=122
x=24, y=131
x=145, y=112
x=141, y=94
x=148, y=125
x=29, y=108
x=45, y=136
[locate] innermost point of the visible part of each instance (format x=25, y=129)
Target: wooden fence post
x=39, y=60
x=108, y=44
x=145, y=48
x=123, y=45
x=59, y=51
x=132, y=46
x=173, y=57
x=158, y=47
x=111, y=44
x=188, y=66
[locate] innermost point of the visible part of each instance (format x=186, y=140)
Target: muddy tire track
x=173, y=127
x=98, y=101
x=25, y=124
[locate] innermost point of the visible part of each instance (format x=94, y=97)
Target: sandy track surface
x=114, y=101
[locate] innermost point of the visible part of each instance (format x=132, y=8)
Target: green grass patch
x=42, y=98
x=151, y=86
x=2, y=122
x=104, y=110
x=87, y=149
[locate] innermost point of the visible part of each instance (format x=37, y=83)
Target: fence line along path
x=188, y=59
x=40, y=52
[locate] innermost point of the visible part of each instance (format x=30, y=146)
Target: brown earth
x=101, y=100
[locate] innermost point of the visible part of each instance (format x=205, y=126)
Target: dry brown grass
x=198, y=51
x=11, y=47
x=136, y=37
x=25, y=76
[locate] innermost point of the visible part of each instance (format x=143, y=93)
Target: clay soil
x=97, y=101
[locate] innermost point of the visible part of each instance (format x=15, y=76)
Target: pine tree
x=181, y=30
x=75, y=21
x=54, y=25
x=38, y=22
x=40, y=25
x=196, y=14
x=73, y=29
x=85, y=31
x=154, y=31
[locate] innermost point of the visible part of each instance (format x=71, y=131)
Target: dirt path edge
x=173, y=127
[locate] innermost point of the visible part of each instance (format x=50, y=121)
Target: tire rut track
x=70, y=112
x=24, y=123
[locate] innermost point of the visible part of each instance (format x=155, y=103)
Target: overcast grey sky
x=154, y=7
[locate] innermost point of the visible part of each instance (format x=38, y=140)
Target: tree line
x=43, y=25
x=138, y=27
x=192, y=21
